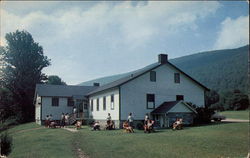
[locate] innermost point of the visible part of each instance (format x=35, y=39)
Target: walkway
x=234, y=120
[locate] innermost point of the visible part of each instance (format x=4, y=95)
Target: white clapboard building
x=160, y=89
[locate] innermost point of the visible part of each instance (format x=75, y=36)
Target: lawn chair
x=127, y=128
x=110, y=125
x=149, y=127
x=178, y=124
x=78, y=125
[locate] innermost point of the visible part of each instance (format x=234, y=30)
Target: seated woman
x=177, y=124
x=110, y=125
x=78, y=124
x=149, y=127
x=127, y=128
x=52, y=124
x=96, y=126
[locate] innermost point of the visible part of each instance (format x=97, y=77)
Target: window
x=91, y=105
x=112, y=102
x=179, y=97
x=70, y=102
x=97, y=104
x=55, y=101
x=152, y=76
x=85, y=106
x=104, y=103
x=150, y=101
x=176, y=77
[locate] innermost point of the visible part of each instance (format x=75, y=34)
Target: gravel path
x=71, y=129
x=234, y=120
x=79, y=152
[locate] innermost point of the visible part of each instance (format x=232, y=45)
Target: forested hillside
x=220, y=70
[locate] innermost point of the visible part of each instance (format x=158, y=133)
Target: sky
x=87, y=40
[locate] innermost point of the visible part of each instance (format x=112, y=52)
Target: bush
x=204, y=115
x=6, y=144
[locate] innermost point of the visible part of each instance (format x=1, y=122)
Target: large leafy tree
x=56, y=80
x=23, y=61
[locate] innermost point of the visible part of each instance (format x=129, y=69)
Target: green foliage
x=232, y=100
x=204, y=115
x=56, y=80
x=220, y=70
x=5, y=144
x=23, y=61
x=211, y=97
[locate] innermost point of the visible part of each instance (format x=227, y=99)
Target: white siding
x=133, y=93
x=56, y=111
x=102, y=114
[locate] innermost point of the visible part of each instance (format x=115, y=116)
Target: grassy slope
x=41, y=143
x=227, y=140
x=236, y=114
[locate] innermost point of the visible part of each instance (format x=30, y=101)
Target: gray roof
x=125, y=79
x=136, y=74
x=63, y=90
x=166, y=106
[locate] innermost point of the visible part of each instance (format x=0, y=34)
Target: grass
x=30, y=141
x=236, y=114
x=217, y=140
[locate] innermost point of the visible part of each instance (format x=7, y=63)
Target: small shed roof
x=166, y=106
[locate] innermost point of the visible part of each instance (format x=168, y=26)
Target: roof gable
x=173, y=106
x=138, y=73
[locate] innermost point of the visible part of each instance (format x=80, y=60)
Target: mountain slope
x=220, y=70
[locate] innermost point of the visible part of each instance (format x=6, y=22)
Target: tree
x=23, y=63
x=56, y=80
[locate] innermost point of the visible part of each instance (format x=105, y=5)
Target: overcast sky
x=88, y=40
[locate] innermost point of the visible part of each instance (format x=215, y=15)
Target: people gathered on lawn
x=127, y=125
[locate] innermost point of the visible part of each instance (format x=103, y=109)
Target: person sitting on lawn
x=96, y=126
x=78, y=124
x=52, y=124
x=127, y=128
x=177, y=124
x=149, y=127
x=110, y=125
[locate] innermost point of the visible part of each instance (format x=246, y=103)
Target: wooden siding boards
x=140, y=72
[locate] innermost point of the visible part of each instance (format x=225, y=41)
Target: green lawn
x=236, y=114
x=217, y=140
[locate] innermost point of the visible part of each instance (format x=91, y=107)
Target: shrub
x=5, y=144
x=204, y=115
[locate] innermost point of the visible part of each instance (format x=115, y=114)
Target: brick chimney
x=163, y=58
